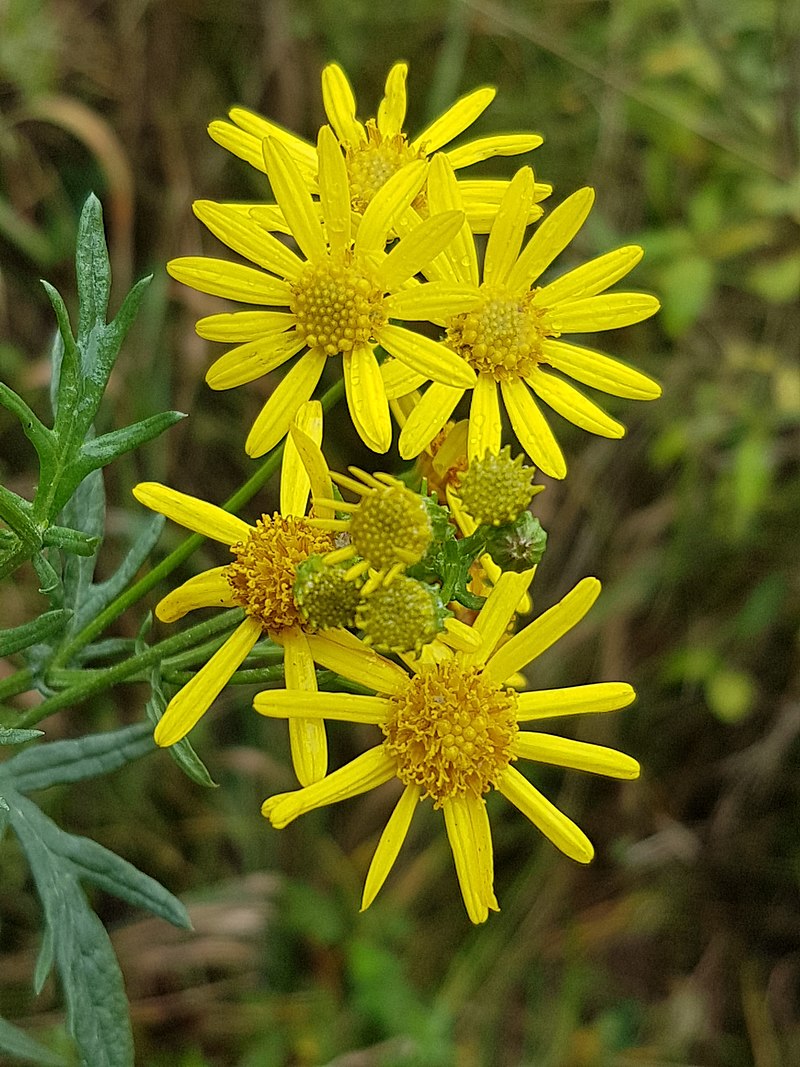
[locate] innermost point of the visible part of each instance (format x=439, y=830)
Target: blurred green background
x=680, y=944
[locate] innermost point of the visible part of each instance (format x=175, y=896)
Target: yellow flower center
x=263, y=576
x=370, y=165
x=390, y=526
x=451, y=732
x=496, y=489
x=337, y=304
x=503, y=337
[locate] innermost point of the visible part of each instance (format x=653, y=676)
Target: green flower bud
x=517, y=546
x=402, y=616
x=326, y=598
x=496, y=489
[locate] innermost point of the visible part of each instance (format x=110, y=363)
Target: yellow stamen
x=503, y=337
x=451, y=731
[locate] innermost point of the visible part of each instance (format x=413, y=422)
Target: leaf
x=14, y=511
x=97, y=1009
x=85, y=511
x=74, y=541
x=17, y=1043
x=37, y=433
x=18, y=737
x=93, y=271
x=44, y=961
x=102, y=450
x=97, y=596
x=182, y=751
x=62, y=762
x=109, y=872
x=65, y=358
x=30, y=633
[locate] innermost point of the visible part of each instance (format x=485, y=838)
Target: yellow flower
x=338, y=301
x=513, y=334
x=451, y=733
x=378, y=148
x=260, y=580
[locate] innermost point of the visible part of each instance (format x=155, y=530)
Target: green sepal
x=69, y=540
x=519, y=545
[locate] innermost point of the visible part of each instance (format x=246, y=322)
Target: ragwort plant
x=366, y=598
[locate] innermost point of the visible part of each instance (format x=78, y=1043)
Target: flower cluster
x=405, y=586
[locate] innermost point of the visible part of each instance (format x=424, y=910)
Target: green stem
x=128, y=669
x=183, y=551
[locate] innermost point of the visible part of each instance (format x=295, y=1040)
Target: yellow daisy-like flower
x=338, y=302
x=451, y=733
x=378, y=148
x=260, y=580
x=511, y=338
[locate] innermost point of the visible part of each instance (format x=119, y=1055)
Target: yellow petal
x=247, y=238
x=292, y=194
x=316, y=471
x=307, y=739
x=250, y=361
x=485, y=427
x=236, y=141
x=197, y=696
x=574, y=700
x=550, y=238
x=562, y=831
x=427, y=419
x=198, y=515
x=509, y=144
x=432, y=302
x=342, y=652
x=387, y=205
x=365, y=772
x=392, y=109
x=600, y=371
x=426, y=356
x=343, y=707
x=274, y=419
x=211, y=589
x=459, y=636
x=334, y=190
x=508, y=228
x=454, y=121
x=444, y=194
x=366, y=398
x=470, y=865
x=543, y=632
x=303, y=153
x=295, y=482
x=607, y=312
x=577, y=755
x=390, y=843
x=415, y=251
x=218, y=277
x=340, y=105
x=270, y=217
x=592, y=277
x=498, y=611
x=399, y=380
x=573, y=405
x=243, y=325
x=531, y=430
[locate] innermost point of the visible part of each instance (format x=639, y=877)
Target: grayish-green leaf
x=102, y=450
x=182, y=751
x=17, y=737
x=29, y=633
x=74, y=541
x=93, y=272
x=61, y=762
x=37, y=433
x=17, y=1044
x=86, y=511
x=44, y=960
